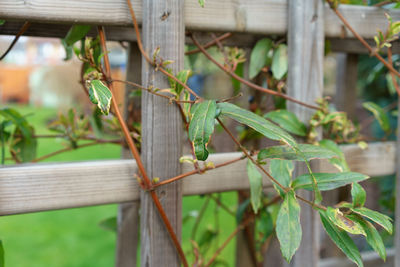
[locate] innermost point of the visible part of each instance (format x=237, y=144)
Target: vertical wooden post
x=346, y=82
x=163, y=27
x=305, y=82
x=128, y=213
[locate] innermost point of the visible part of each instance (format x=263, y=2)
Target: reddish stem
x=211, y=43
x=248, y=83
x=26, y=25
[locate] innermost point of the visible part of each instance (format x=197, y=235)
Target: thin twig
x=222, y=205
x=136, y=154
x=146, y=56
x=211, y=43
x=248, y=83
x=52, y=154
x=365, y=44
x=171, y=99
x=21, y=32
x=184, y=175
x=383, y=3
x=230, y=237
x=199, y=217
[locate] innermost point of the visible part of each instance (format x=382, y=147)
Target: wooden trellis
x=307, y=23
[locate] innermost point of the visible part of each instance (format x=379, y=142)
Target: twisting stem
x=364, y=43
x=244, y=81
x=136, y=155
x=211, y=43
x=21, y=32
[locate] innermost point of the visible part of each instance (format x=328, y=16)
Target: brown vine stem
x=222, y=205
x=146, y=56
x=171, y=99
x=383, y=3
x=239, y=228
x=285, y=189
x=136, y=154
x=23, y=29
x=230, y=237
x=246, y=82
x=363, y=42
x=211, y=43
x=184, y=175
x=52, y=154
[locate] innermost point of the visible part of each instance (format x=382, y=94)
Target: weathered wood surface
x=370, y=259
x=305, y=82
x=128, y=213
x=162, y=132
x=346, y=83
x=39, y=187
x=251, y=16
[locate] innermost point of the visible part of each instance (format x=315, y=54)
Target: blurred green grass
x=72, y=237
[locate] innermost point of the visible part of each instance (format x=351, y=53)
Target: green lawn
x=72, y=238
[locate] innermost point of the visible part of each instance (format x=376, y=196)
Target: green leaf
x=373, y=237
x=68, y=50
x=1, y=254
x=288, y=228
x=358, y=194
x=379, y=114
x=100, y=95
x=379, y=218
x=109, y=224
x=328, y=181
x=2, y=21
x=201, y=3
x=182, y=76
x=339, y=162
x=280, y=62
x=259, y=56
x=76, y=33
x=288, y=121
x=241, y=210
x=257, y=123
x=341, y=239
x=343, y=222
x=201, y=127
x=22, y=147
x=255, y=180
x=239, y=71
x=285, y=152
x=16, y=118
x=282, y=171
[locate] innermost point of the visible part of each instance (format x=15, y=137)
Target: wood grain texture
x=346, y=83
x=370, y=259
x=163, y=28
x=305, y=82
x=39, y=187
x=251, y=16
x=128, y=213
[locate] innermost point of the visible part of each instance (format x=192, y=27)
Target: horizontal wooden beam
x=39, y=187
x=250, y=16
x=369, y=258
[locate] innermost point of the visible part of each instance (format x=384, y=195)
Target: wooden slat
x=370, y=259
x=251, y=16
x=305, y=82
x=39, y=187
x=397, y=210
x=162, y=133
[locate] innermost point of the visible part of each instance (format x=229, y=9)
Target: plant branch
x=136, y=154
x=146, y=56
x=184, y=175
x=26, y=25
x=222, y=205
x=211, y=43
x=246, y=82
x=171, y=99
x=364, y=43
